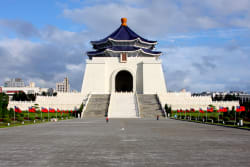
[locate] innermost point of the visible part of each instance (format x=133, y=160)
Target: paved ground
x=124, y=142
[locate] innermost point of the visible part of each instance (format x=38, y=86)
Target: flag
x=31, y=109
x=18, y=110
x=51, y=110
x=210, y=109
x=58, y=110
x=45, y=110
x=240, y=108
x=187, y=110
x=201, y=111
x=192, y=110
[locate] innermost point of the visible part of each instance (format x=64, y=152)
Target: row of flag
x=44, y=110
x=211, y=109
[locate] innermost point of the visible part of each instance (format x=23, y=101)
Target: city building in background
x=63, y=86
x=17, y=85
x=14, y=82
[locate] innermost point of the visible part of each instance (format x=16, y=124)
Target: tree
x=168, y=109
x=31, y=97
x=4, y=102
x=79, y=111
x=44, y=93
x=20, y=96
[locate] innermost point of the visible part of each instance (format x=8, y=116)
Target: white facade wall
x=63, y=101
x=100, y=75
x=153, y=78
x=184, y=100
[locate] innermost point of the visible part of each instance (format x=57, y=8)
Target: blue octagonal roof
x=123, y=33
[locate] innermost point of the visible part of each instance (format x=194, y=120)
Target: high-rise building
x=15, y=82
x=63, y=86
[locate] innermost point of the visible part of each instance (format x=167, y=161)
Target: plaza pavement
x=124, y=142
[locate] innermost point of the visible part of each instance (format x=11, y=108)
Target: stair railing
x=162, y=107
x=85, y=105
x=137, y=105
x=110, y=104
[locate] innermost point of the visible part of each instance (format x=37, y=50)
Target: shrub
x=20, y=119
x=226, y=119
x=213, y=117
x=32, y=118
x=6, y=120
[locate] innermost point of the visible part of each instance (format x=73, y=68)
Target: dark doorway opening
x=123, y=82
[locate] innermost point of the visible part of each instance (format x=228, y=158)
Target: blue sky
x=205, y=44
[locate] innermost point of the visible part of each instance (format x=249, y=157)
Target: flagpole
x=235, y=118
x=199, y=115
x=14, y=116
x=219, y=117
x=206, y=115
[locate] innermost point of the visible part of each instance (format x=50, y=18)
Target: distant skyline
x=205, y=44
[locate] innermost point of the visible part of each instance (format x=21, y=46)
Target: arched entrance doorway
x=123, y=82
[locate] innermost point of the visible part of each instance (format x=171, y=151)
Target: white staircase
x=122, y=105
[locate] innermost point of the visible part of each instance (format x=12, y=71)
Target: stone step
x=122, y=105
x=97, y=106
x=149, y=106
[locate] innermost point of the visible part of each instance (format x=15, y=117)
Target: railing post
x=85, y=105
x=137, y=105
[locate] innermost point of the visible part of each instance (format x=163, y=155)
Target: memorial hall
x=124, y=78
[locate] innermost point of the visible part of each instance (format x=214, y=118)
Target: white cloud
x=206, y=68
x=158, y=18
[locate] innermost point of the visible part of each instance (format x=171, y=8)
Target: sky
x=205, y=44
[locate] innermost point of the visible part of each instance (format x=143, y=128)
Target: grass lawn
x=28, y=122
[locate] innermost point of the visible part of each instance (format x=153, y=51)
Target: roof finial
x=124, y=21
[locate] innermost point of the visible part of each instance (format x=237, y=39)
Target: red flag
x=242, y=108
x=18, y=110
x=201, y=111
x=192, y=110
x=58, y=110
x=31, y=109
x=45, y=110
x=210, y=109
x=225, y=109
x=51, y=110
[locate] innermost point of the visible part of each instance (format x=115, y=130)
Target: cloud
x=161, y=17
x=44, y=62
x=206, y=68
x=20, y=27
